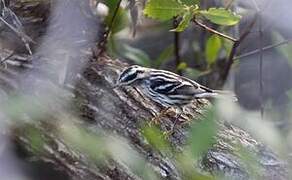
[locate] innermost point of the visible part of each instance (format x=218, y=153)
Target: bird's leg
x=156, y=119
x=176, y=121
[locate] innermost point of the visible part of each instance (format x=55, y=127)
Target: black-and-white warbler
x=167, y=88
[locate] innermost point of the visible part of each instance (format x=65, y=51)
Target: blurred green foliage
x=203, y=133
x=250, y=162
x=156, y=139
x=101, y=146
x=36, y=139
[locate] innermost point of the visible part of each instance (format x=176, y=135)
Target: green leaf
x=164, y=56
x=156, y=139
x=221, y=16
x=137, y=56
x=163, y=9
x=190, y=2
x=285, y=49
x=213, y=47
x=184, y=22
x=202, y=133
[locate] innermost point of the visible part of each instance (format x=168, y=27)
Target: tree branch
x=177, y=46
x=213, y=30
x=263, y=49
x=234, y=50
x=261, y=65
x=102, y=43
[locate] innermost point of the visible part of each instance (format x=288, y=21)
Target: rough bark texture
x=119, y=111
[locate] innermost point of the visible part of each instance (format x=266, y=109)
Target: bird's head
x=130, y=75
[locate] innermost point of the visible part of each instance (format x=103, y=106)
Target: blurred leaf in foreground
x=103, y=146
x=250, y=161
x=91, y=144
x=35, y=138
x=202, y=134
x=201, y=139
x=156, y=139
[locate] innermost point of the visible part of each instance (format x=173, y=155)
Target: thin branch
x=176, y=46
x=18, y=32
x=229, y=4
x=103, y=41
x=263, y=49
x=261, y=83
x=213, y=30
x=234, y=49
x=261, y=66
x=2, y=61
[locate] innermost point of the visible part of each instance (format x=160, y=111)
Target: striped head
x=130, y=75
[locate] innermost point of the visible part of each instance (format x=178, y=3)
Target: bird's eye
x=130, y=74
x=124, y=73
x=129, y=77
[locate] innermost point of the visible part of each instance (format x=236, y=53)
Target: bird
x=166, y=88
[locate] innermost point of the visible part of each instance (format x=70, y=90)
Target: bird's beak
x=117, y=85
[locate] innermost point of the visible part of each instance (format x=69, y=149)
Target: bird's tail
x=218, y=94
x=224, y=95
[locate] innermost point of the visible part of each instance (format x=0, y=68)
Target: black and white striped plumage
x=164, y=87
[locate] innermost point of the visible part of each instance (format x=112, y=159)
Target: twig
x=213, y=30
x=103, y=41
x=263, y=49
x=176, y=46
x=261, y=66
x=261, y=57
x=229, y=4
x=256, y=6
x=25, y=38
x=18, y=32
x=2, y=61
x=234, y=49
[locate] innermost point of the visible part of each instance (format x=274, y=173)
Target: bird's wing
x=197, y=88
x=177, y=87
